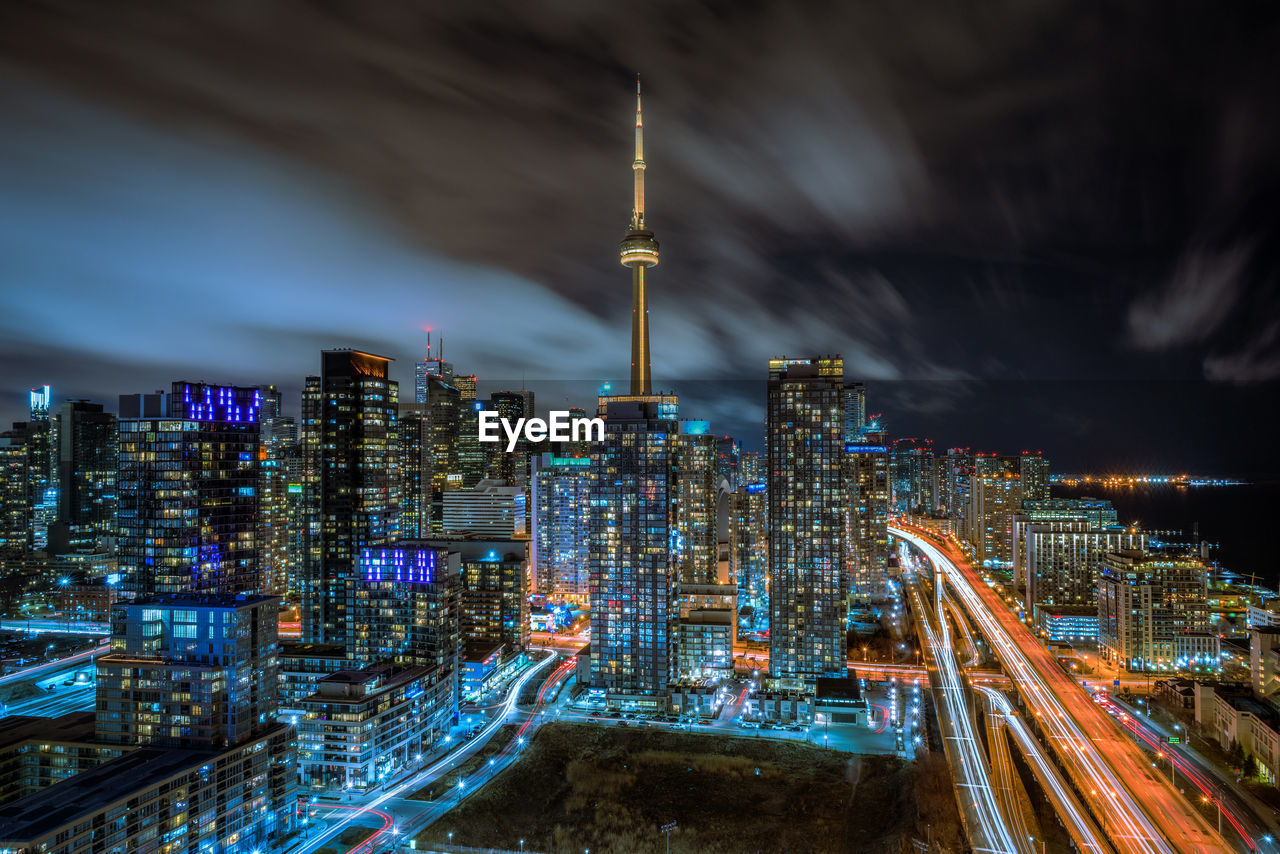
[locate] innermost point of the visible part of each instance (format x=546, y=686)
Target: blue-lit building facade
x=189, y=689
x=634, y=586
x=188, y=490
x=749, y=554
x=404, y=606
x=561, y=512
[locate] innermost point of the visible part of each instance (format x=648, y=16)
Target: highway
x=52, y=704
x=1184, y=769
x=987, y=828
x=1139, y=810
x=39, y=671
x=1084, y=832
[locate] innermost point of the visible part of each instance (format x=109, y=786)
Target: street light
x=666, y=830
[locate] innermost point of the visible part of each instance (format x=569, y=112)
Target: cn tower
x=639, y=250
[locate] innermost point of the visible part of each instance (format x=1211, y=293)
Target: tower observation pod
x=639, y=250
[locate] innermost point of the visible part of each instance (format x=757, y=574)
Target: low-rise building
x=302, y=665
x=704, y=644
x=1067, y=623
x=362, y=725
x=164, y=799
x=37, y=752
x=479, y=668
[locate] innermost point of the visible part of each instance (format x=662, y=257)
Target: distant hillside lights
x=562, y=427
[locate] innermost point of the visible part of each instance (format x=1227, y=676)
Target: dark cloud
x=952, y=193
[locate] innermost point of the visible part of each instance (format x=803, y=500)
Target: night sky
x=1025, y=224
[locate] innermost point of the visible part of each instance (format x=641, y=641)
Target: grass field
x=610, y=789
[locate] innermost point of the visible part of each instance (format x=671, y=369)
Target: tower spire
x=637, y=207
x=639, y=250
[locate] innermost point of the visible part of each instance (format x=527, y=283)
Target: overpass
x=1136, y=807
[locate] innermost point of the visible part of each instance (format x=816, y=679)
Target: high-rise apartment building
x=855, y=411
x=189, y=693
x=1033, y=471
x=633, y=582
x=868, y=484
x=85, y=461
x=693, y=511
x=749, y=554
x=405, y=607
x=188, y=490
x=413, y=459
x=350, y=412
x=914, y=484
x=190, y=671
x=512, y=466
x=16, y=514
x=808, y=595
x=278, y=465
x=1153, y=612
x=995, y=494
x=1058, y=546
x=955, y=475
x=1057, y=562
x=561, y=513
x=494, y=608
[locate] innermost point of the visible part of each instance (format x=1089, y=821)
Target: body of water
x=1235, y=520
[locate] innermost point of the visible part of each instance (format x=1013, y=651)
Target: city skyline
x=816, y=206
x=927, y=513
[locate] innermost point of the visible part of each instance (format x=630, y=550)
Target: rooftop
x=74, y=726
x=34, y=816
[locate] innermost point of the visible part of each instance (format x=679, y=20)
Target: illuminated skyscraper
x=1153, y=612
x=808, y=595
x=855, y=410
x=427, y=367
x=512, y=467
x=639, y=250
x=42, y=487
x=466, y=385
x=728, y=461
x=914, y=489
x=357, y=498
x=405, y=608
x=15, y=503
x=867, y=481
x=955, y=476
x=562, y=513
x=1033, y=470
x=86, y=466
x=633, y=582
x=279, y=447
x=693, y=509
x=413, y=461
x=188, y=490
x=749, y=553
x=995, y=495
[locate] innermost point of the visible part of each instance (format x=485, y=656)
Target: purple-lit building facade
x=187, y=502
x=405, y=607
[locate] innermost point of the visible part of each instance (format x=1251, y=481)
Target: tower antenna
x=639, y=250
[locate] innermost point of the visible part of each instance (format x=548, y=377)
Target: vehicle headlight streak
x=1123, y=819
x=975, y=777
x=1083, y=830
